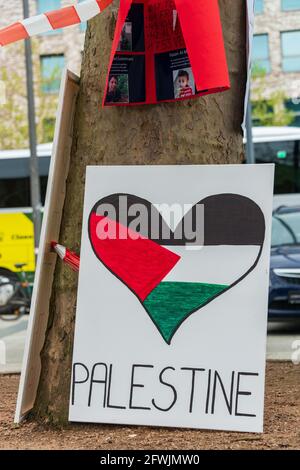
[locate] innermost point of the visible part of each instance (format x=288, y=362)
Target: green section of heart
x=171, y=302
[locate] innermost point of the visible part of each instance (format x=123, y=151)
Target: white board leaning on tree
x=173, y=296
x=51, y=225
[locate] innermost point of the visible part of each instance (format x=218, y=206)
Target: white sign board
x=173, y=296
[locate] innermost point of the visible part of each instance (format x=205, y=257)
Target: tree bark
x=201, y=131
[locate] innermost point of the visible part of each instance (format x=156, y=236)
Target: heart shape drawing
x=130, y=236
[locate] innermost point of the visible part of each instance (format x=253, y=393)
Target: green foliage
x=13, y=109
x=258, y=71
x=48, y=129
x=13, y=124
x=269, y=111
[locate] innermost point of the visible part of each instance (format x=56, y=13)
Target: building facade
x=276, y=51
x=67, y=42
x=51, y=52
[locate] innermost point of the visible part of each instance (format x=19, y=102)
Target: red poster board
x=166, y=50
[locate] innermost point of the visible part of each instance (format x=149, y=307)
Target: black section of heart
x=229, y=219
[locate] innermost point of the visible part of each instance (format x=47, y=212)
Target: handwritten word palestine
x=149, y=388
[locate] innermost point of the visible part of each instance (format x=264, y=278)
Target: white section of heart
x=212, y=264
x=173, y=213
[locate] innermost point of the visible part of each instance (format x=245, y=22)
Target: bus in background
x=280, y=145
x=16, y=226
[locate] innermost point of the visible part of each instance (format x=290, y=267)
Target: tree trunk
x=206, y=130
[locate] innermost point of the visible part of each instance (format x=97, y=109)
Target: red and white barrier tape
x=56, y=19
x=68, y=257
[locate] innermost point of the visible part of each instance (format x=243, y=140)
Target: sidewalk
x=282, y=424
x=12, y=342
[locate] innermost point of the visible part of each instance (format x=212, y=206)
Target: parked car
x=284, y=293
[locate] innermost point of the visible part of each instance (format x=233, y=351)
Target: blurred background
x=27, y=120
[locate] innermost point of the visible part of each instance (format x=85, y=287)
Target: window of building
x=259, y=7
x=51, y=69
x=260, y=53
x=49, y=5
x=290, y=41
x=288, y=5
x=294, y=106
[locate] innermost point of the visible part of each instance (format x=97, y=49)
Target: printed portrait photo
x=118, y=89
x=184, y=83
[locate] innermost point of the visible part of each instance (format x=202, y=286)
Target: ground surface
x=282, y=424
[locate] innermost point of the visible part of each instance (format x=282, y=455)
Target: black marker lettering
x=243, y=392
x=167, y=385
x=208, y=392
x=135, y=385
x=229, y=402
x=119, y=407
x=74, y=381
x=102, y=381
x=194, y=370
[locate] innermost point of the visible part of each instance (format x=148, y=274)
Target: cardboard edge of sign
x=55, y=196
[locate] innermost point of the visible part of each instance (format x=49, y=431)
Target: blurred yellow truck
x=16, y=240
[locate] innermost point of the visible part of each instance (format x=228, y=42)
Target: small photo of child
x=184, y=83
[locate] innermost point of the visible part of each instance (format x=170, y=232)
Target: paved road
x=284, y=341
x=12, y=341
x=282, y=338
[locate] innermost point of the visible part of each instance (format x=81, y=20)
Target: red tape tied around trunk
x=163, y=50
x=67, y=256
x=52, y=20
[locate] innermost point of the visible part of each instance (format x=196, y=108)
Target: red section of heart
x=137, y=261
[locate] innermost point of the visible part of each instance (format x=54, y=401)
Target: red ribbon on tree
x=66, y=255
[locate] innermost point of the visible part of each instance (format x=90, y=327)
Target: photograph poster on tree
x=158, y=53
